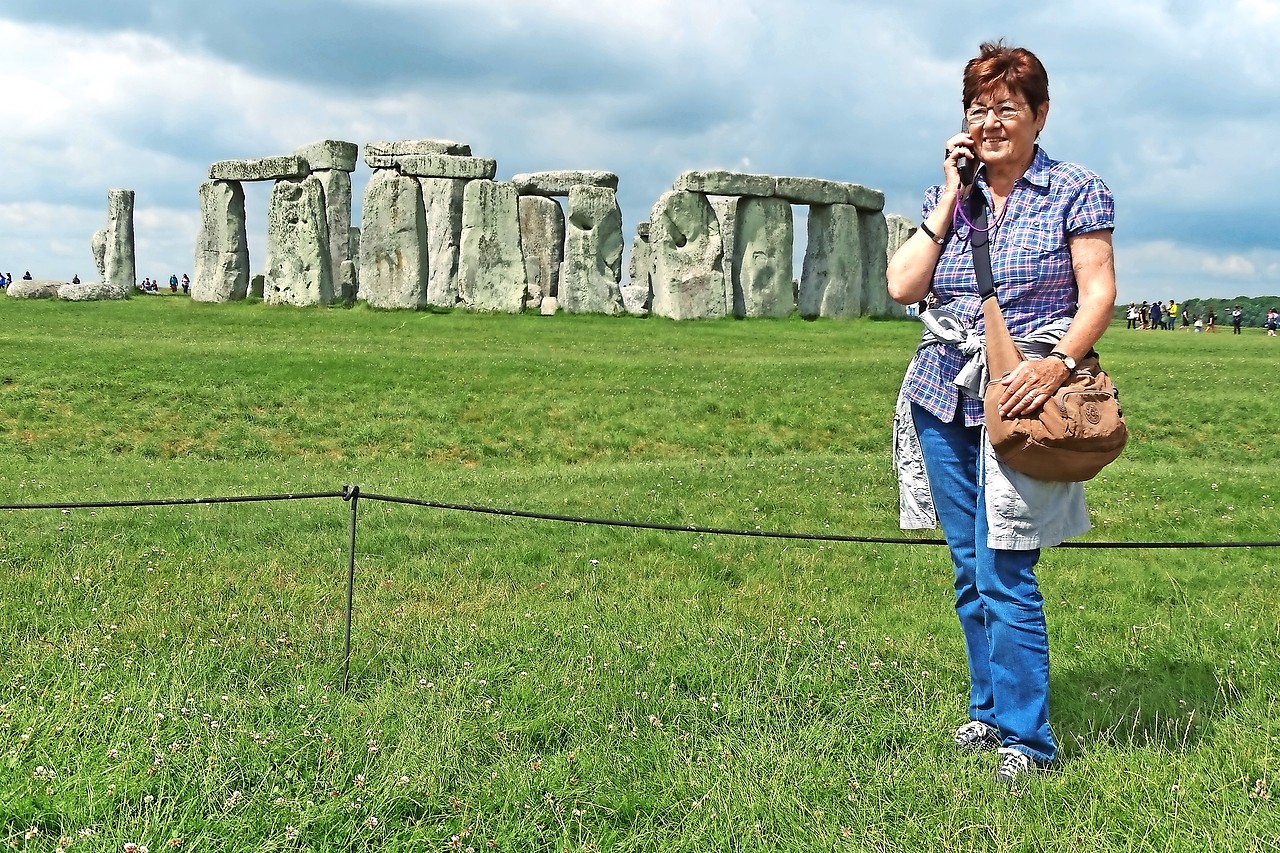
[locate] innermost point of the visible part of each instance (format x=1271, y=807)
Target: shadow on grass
x=1169, y=705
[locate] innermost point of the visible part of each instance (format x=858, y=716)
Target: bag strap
x=1003, y=354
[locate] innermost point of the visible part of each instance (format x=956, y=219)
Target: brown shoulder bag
x=1077, y=432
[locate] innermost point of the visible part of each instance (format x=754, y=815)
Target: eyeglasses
x=977, y=113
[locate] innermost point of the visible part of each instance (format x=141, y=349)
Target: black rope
x=349, y=493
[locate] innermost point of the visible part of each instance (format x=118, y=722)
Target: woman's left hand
x=1030, y=386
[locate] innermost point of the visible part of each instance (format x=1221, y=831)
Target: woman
x=1050, y=226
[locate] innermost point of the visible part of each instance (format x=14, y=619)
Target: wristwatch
x=1066, y=359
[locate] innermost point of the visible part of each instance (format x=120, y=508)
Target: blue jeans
x=999, y=603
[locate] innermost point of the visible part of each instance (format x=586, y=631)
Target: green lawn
x=172, y=674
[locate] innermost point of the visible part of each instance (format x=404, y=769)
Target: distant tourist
x=75, y=278
x=1186, y=318
x=1131, y=315
x=173, y=283
x=1142, y=314
x=1210, y=323
x=1157, y=312
x=1273, y=319
x=26, y=276
x=186, y=284
x=1200, y=322
x=1237, y=317
x=1171, y=316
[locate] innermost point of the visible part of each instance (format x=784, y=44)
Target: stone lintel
x=719, y=182
x=558, y=183
x=262, y=169
x=330, y=154
x=446, y=166
x=819, y=191
x=406, y=147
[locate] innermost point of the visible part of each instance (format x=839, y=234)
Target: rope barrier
x=301, y=496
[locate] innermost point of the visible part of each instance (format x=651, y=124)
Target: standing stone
x=337, y=204
x=762, y=273
x=119, y=268
x=299, y=271
x=875, y=244
x=592, y=277
x=222, y=246
x=393, y=243
x=688, y=257
x=442, y=199
x=637, y=293
x=900, y=230
x=831, y=284
x=257, y=286
x=490, y=266
x=98, y=243
x=542, y=245
x=726, y=208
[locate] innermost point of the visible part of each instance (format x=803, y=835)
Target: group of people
x=6, y=278
x=1140, y=315
x=150, y=285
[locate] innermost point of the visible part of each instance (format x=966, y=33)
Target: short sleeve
x=1093, y=209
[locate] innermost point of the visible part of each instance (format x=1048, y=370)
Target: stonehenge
x=440, y=230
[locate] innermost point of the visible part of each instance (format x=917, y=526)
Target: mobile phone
x=964, y=163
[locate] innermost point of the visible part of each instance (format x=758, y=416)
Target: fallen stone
x=405, y=147
x=263, y=169
x=88, y=291
x=37, y=289
x=763, y=243
x=592, y=274
x=688, y=258
x=637, y=291
x=832, y=281
x=719, y=182
x=549, y=306
x=330, y=154
x=446, y=166
x=442, y=200
x=490, y=266
x=559, y=183
x=118, y=257
x=299, y=271
x=542, y=246
x=98, y=244
x=222, y=245
x=393, y=243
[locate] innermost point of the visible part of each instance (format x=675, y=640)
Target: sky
x=1175, y=104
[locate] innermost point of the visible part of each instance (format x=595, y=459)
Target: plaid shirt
x=1031, y=264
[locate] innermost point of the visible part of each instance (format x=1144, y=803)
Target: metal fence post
x=352, y=494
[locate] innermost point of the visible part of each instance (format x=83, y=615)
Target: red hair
x=999, y=66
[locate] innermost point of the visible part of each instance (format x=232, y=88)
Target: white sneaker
x=977, y=736
x=1014, y=765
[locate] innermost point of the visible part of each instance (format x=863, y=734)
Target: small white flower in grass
x=595, y=562
x=403, y=780
x=371, y=822
x=291, y=833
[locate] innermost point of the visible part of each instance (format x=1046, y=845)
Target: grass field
x=172, y=674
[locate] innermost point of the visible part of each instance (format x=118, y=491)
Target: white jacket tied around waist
x=1023, y=513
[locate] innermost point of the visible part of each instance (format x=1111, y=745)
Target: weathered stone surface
x=98, y=244
x=257, y=286
x=405, y=147
x=348, y=284
x=726, y=208
x=38, y=289
x=900, y=230
x=542, y=246
x=88, y=291
x=222, y=246
x=762, y=242
x=299, y=271
x=718, y=182
x=590, y=281
x=875, y=258
x=637, y=291
x=118, y=261
x=262, y=169
x=330, y=154
x=490, y=267
x=688, y=258
x=445, y=166
x=560, y=182
x=818, y=191
x=832, y=283
x=548, y=306
x=442, y=199
x=393, y=243
x=337, y=205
